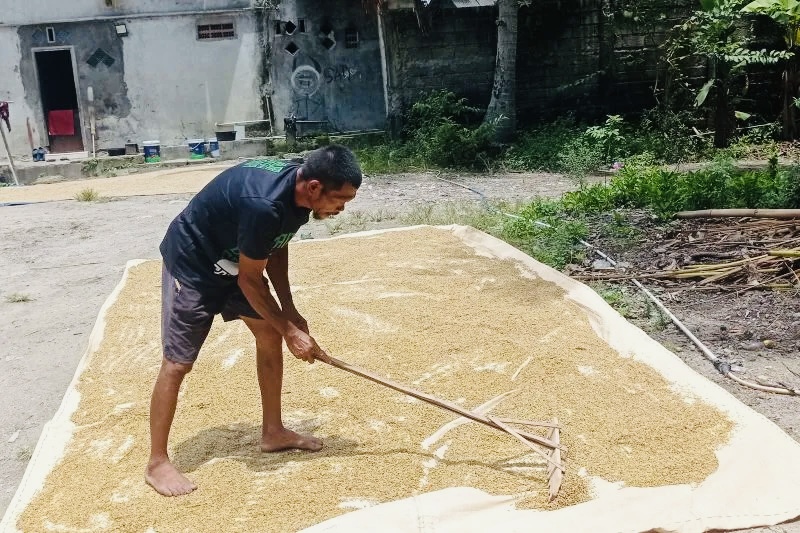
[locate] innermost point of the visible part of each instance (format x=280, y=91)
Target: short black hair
x=333, y=166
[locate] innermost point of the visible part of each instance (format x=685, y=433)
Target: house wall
x=19, y=12
x=322, y=81
x=163, y=83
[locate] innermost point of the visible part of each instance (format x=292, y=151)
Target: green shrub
x=444, y=131
x=539, y=149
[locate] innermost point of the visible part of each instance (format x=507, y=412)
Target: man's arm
x=278, y=272
x=257, y=293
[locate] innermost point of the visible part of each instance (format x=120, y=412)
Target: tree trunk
x=502, y=110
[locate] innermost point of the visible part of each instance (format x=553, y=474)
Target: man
x=215, y=253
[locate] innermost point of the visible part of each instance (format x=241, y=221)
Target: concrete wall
x=163, y=82
x=21, y=12
x=322, y=81
x=181, y=89
x=12, y=89
x=572, y=56
x=455, y=49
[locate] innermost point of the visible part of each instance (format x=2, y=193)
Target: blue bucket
x=197, y=148
x=152, y=151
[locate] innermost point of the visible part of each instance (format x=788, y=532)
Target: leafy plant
x=711, y=33
x=609, y=136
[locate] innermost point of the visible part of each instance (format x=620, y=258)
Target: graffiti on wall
x=342, y=74
x=308, y=77
x=307, y=102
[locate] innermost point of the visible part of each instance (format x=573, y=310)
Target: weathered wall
x=12, y=89
x=161, y=82
x=324, y=80
x=581, y=56
x=19, y=12
x=454, y=49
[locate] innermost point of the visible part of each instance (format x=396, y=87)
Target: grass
x=464, y=213
x=87, y=195
x=24, y=454
x=18, y=297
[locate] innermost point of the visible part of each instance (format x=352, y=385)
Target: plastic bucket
x=213, y=147
x=152, y=151
x=197, y=148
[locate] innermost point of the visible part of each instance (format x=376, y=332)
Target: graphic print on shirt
x=228, y=264
x=272, y=165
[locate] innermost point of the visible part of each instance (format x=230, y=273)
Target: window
x=221, y=30
x=351, y=38
x=51, y=34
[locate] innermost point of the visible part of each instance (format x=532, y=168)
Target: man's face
x=327, y=203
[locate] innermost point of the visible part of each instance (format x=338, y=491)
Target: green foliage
x=609, y=137
x=441, y=130
x=546, y=232
x=665, y=192
x=541, y=147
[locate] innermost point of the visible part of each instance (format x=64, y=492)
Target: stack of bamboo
x=760, y=253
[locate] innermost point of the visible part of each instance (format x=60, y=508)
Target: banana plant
x=711, y=34
x=787, y=14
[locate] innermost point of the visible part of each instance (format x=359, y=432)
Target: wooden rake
x=552, y=442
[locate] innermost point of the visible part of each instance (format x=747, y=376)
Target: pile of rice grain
x=419, y=307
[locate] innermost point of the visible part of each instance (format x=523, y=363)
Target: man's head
x=328, y=178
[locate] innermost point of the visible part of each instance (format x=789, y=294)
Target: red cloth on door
x=61, y=122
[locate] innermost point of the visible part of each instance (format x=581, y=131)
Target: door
x=59, y=99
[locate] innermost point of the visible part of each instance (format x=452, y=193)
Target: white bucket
x=213, y=147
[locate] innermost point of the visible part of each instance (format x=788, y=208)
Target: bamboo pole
x=757, y=213
x=10, y=158
x=448, y=406
x=785, y=253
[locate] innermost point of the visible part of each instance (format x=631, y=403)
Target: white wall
x=11, y=90
x=179, y=87
x=21, y=12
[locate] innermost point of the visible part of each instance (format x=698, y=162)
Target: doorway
x=58, y=91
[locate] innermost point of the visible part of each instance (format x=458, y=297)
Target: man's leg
x=161, y=474
x=269, y=362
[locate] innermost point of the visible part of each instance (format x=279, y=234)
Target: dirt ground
x=60, y=260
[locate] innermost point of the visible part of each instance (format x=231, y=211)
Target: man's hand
x=303, y=346
x=294, y=316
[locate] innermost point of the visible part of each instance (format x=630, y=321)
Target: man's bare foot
x=285, y=439
x=165, y=478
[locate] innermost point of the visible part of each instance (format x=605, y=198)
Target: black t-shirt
x=248, y=208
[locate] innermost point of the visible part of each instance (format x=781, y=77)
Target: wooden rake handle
x=444, y=404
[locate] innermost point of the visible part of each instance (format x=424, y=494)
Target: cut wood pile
x=739, y=254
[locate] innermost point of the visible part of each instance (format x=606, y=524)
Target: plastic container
x=152, y=151
x=197, y=148
x=213, y=147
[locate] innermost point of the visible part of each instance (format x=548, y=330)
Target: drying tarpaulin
x=418, y=311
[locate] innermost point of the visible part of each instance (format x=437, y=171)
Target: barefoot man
x=215, y=253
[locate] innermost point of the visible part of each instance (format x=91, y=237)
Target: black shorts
x=187, y=314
